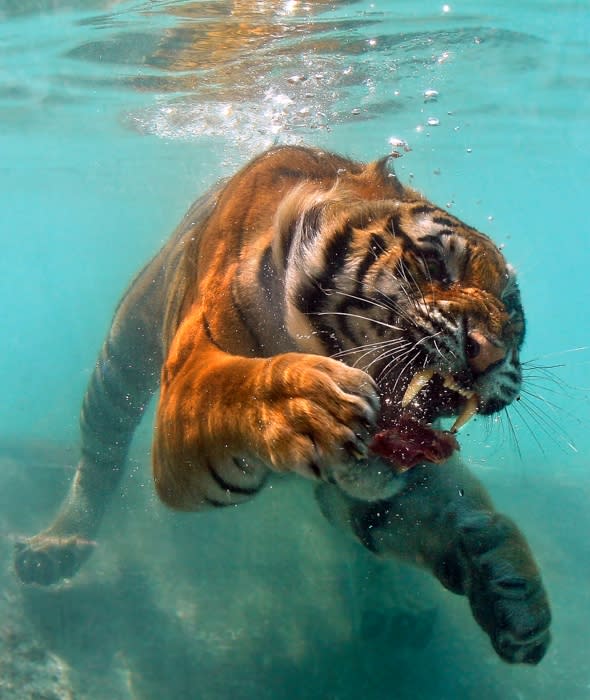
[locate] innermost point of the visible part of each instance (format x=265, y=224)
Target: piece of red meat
x=409, y=443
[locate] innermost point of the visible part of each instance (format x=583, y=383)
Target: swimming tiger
x=300, y=307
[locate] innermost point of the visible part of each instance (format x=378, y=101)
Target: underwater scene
x=114, y=117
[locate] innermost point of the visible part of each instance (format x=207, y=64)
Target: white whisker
x=547, y=424
x=369, y=347
x=394, y=352
x=512, y=431
x=363, y=300
x=391, y=348
x=403, y=370
x=528, y=427
x=351, y=315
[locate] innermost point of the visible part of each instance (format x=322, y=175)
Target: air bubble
x=433, y=121
x=430, y=95
x=395, y=142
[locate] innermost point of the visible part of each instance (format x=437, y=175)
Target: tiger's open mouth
x=466, y=400
x=405, y=435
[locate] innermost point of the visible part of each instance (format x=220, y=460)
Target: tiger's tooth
x=417, y=383
x=469, y=410
x=450, y=383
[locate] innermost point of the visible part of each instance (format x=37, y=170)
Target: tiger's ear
x=381, y=176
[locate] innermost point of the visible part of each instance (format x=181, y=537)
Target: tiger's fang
x=469, y=410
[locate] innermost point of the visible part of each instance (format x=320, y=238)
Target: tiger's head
x=396, y=286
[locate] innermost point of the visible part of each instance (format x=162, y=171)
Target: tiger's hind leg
x=443, y=520
x=125, y=376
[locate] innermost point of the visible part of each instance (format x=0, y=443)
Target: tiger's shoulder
x=235, y=255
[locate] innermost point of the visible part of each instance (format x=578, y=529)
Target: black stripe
x=423, y=209
x=259, y=350
x=465, y=263
x=327, y=336
x=442, y=220
x=267, y=275
x=309, y=296
x=348, y=324
x=433, y=240
x=311, y=292
x=512, y=375
x=343, y=321
x=399, y=232
x=315, y=470
x=408, y=242
x=232, y=488
x=311, y=223
x=209, y=334
x=216, y=504
x=376, y=248
x=335, y=254
x=450, y=232
x=113, y=387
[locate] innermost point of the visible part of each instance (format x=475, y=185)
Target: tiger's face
x=425, y=304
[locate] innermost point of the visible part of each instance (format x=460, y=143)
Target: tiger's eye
x=472, y=348
x=433, y=268
x=436, y=269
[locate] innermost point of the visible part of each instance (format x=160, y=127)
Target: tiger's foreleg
x=125, y=376
x=224, y=421
x=444, y=521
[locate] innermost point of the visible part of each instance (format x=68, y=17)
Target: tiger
x=301, y=306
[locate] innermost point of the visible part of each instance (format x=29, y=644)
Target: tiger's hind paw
x=46, y=559
x=504, y=587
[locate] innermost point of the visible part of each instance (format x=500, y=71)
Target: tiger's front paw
x=316, y=415
x=504, y=587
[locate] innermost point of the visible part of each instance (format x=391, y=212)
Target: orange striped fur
x=288, y=318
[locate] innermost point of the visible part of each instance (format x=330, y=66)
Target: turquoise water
x=113, y=117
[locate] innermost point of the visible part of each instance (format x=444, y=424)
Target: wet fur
x=239, y=320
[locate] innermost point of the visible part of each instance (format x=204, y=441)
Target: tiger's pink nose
x=481, y=352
